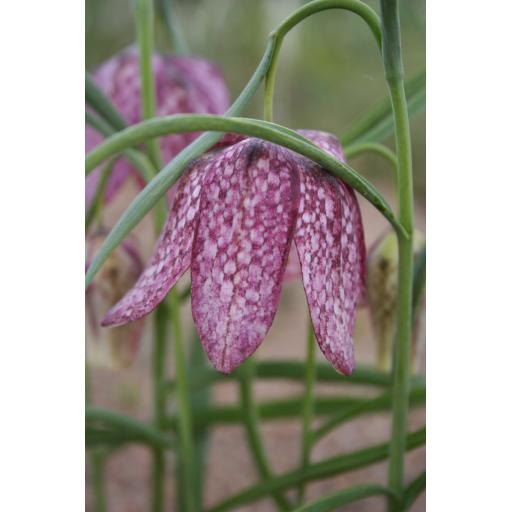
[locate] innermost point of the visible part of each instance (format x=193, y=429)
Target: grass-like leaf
x=333, y=466
x=103, y=424
x=96, y=99
x=377, y=124
x=346, y=496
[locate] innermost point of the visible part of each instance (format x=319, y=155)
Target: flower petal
x=182, y=85
x=331, y=251
x=172, y=254
x=248, y=214
x=326, y=141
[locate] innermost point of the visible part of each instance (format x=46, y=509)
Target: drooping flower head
x=183, y=85
x=236, y=213
x=112, y=347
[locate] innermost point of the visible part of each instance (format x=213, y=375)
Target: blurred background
x=329, y=75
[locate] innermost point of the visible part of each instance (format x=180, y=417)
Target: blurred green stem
x=251, y=420
x=393, y=65
x=144, y=23
x=185, y=426
x=372, y=147
x=308, y=407
x=174, y=32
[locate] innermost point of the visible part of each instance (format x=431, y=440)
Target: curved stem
x=251, y=420
x=361, y=9
x=356, y=6
x=174, y=32
x=144, y=22
x=308, y=407
x=372, y=147
x=270, y=82
x=185, y=432
x=194, y=122
x=393, y=65
x=139, y=159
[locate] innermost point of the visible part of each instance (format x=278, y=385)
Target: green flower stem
x=286, y=408
x=294, y=370
x=355, y=6
x=308, y=407
x=184, y=417
x=96, y=207
x=97, y=100
x=372, y=147
x=174, y=32
x=413, y=490
x=251, y=420
x=144, y=23
x=326, y=468
x=159, y=400
x=345, y=497
x=393, y=65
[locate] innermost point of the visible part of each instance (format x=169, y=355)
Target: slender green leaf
x=417, y=396
x=294, y=370
x=377, y=124
x=347, y=496
x=414, y=490
x=285, y=408
x=334, y=466
x=121, y=425
x=97, y=100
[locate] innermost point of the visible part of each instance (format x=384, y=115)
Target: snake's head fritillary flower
x=183, y=85
x=381, y=293
x=236, y=213
x=112, y=347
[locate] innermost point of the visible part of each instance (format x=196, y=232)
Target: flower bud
x=116, y=347
x=381, y=294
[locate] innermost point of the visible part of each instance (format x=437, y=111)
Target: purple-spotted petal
x=172, y=254
x=326, y=141
x=182, y=84
x=248, y=214
x=329, y=242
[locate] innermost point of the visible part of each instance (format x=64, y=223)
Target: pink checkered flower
x=236, y=213
x=183, y=85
